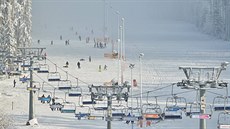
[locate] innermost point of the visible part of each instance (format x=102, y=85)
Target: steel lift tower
x=201, y=79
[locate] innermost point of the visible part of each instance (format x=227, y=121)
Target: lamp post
x=131, y=66
x=140, y=73
x=118, y=61
x=123, y=38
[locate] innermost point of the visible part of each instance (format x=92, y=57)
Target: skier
x=14, y=83
x=105, y=67
x=99, y=68
x=78, y=65
x=67, y=64
x=89, y=58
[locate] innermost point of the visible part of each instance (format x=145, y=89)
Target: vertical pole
x=121, y=54
x=31, y=99
x=132, y=93
x=202, y=108
x=118, y=45
x=123, y=38
x=109, y=111
x=140, y=59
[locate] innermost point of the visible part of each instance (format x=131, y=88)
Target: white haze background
x=158, y=28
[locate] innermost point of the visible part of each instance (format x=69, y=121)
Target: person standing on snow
x=78, y=65
x=14, y=83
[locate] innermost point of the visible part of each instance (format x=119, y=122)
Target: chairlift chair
x=82, y=112
x=46, y=95
x=177, y=103
x=195, y=113
x=100, y=106
x=173, y=112
x=118, y=114
x=56, y=105
x=26, y=64
x=43, y=68
x=86, y=100
x=68, y=107
x=64, y=85
x=221, y=103
x=24, y=77
x=54, y=76
x=36, y=66
x=75, y=92
x=132, y=114
x=152, y=112
x=223, y=120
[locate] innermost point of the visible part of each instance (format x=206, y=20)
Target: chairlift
x=221, y=103
x=85, y=100
x=54, y=76
x=100, y=106
x=98, y=94
x=95, y=115
x=68, y=107
x=223, y=120
x=17, y=61
x=176, y=103
x=24, y=77
x=118, y=114
x=82, y=114
x=195, y=113
x=132, y=114
x=64, y=85
x=56, y=105
x=26, y=64
x=14, y=70
x=36, y=87
x=46, y=95
x=44, y=99
x=36, y=66
x=152, y=112
x=75, y=92
x=43, y=68
x=172, y=112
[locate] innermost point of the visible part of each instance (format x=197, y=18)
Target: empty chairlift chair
x=223, y=120
x=43, y=68
x=86, y=100
x=152, y=112
x=68, y=107
x=221, y=103
x=64, y=85
x=54, y=76
x=118, y=114
x=36, y=66
x=194, y=111
x=174, y=107
x=75, y=92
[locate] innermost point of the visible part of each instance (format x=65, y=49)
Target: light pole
x=121, y=53
x=131, y=66
x=123, y=38
x=140, y=73
x=118, y=61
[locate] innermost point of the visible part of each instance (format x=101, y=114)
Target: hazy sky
x=138, y=14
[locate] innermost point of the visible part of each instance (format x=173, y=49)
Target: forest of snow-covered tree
x=211, y=17
x=15, y=29
x=15, y=25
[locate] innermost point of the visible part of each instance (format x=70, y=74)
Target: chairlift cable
x=154, y=90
